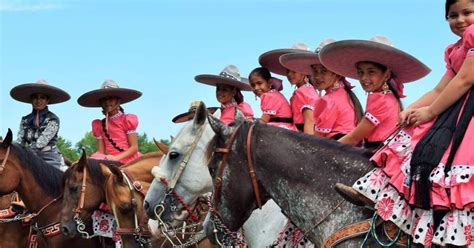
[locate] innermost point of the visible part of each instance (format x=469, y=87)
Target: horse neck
x=141, y=170
x=31, y=192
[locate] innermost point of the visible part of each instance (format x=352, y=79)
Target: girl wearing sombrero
x=116, y=134
x=304, y=98
x=425, y=173
x=229, y=85
x=339, y=110
x=39, y=129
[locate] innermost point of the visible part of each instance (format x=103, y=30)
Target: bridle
x=4, y=163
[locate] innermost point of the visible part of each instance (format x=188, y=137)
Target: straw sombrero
x=341, y=58
x=108, y=89
x=302, y=61
x=190, y=114
x=230, y=75
x=23, y=92
x=271, y=59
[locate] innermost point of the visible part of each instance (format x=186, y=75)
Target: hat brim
x=341, y=58
x=92, y=98
x=190, y=115
x=300, y=62
x=215, y=80
x=271, y=60
x=24, y=92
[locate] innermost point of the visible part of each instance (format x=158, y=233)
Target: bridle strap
x=4, y=163
x=183, y=163
x=82, y=197
x=253, y=175
x=220, y=172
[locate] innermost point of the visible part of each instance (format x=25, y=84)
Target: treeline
x=89, y=144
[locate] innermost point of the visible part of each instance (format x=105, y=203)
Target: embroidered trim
x=372, y=118
x=232, y=104
x=270, y=112
x=306, y=106
x=323, y=130
x=116, y=115
x=131, y=131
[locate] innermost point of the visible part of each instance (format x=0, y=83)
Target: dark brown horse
x=12, y=234
x=39, y=185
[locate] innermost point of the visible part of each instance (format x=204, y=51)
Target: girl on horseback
x=304, y=98
x=39, y=129
x=229, y=85
x=339, y=110
x=275, y=108
x=116, y=134
x=423, y=181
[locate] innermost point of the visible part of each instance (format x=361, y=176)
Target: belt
x=281, y=119
x=48, y=148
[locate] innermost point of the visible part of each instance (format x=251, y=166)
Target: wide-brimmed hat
x=109, y=88
x=186, y=116
x=271, y=59
x=230, y=75
x=302, y=61
x=23, y=92
x=341, y=58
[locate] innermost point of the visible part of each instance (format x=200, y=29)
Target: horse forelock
x=48, y=177
x=95, y=171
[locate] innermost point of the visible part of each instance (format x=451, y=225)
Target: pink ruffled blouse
x=228, y=111
x=303, y=97
x=119, y=126
x=273, y=103
x=334, y=113
x=457, y=52
x=382, y=110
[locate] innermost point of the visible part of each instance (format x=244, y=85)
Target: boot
x=352, y=196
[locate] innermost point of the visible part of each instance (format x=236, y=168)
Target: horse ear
x=239, y=117
x=161, y=146
x=8, y=139
x=82, y=161
x=171, y=138
x=218, y=126
x=200, y=116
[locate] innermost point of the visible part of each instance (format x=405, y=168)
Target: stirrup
x=352, y=196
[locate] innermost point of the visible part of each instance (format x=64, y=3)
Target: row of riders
x=423, y=154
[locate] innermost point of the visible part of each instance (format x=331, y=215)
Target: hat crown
x=107, y=84
x=42, y=81
x=383, y=40
x=232, y=72
x=324, y=43
x=300, y=46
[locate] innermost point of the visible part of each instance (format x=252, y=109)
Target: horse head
x=182, y=175
x=83, y=185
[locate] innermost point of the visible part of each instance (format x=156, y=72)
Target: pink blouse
x=273, y=103
x=303, y=97
x=382, y=110
x=334, y=113
x=119, y=126
x=456, y=53
x=228, y=111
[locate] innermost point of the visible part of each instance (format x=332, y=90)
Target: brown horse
x=12, y=234
x=39, y=185
x=122, y=188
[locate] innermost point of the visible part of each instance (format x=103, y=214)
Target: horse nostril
x=146, y=205
x=65, y=230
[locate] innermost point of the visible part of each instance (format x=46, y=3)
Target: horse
x=296, y=170
x=39, y=186
x=189, y=148
x=12, y=231
x=122, y=188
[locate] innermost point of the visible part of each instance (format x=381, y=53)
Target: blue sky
x=158, y=47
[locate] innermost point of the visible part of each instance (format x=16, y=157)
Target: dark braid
x=109, y=138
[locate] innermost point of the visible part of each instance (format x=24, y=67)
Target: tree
x=88, y=143
x=66, y=149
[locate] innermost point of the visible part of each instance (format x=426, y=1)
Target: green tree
x=66, y=149
x=88, y=143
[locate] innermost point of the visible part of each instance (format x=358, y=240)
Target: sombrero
x=271, y=59
x=23, y=92
x=108, y=89
x=341, y=58
x=230, y=75
x=190, y=114
x=302, y=61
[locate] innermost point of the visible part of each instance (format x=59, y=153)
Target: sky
x=158, y=47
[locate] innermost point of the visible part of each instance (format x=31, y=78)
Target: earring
x=336, y=85
x=385, y=88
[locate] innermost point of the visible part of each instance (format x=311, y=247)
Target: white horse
x=188, y=151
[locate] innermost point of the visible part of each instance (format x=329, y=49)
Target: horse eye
x=173, y=155
x=73, y=189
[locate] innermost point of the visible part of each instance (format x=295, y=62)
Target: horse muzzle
x=69, y=229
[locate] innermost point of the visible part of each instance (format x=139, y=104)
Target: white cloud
x=27, y=6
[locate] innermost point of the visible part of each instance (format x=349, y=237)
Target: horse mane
x=95, y=171
x=48, y=177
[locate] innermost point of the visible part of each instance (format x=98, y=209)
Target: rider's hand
x=421, y=115
x=404, y=118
